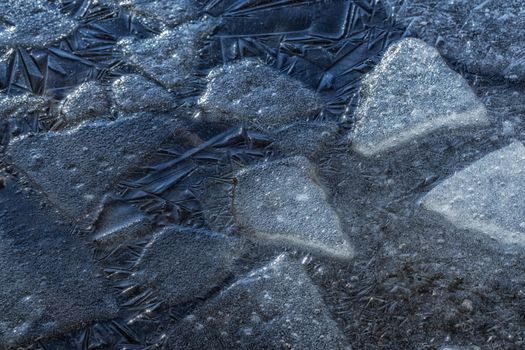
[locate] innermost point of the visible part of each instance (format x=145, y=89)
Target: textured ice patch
x=182, y=264
x=410, y=94
x=20, y=106
x=32, y=23
x=88, y=100
x=49, y=282
x=134, y=93
x=76, y=167
x=170, y=57
x=488, y=196
x=250, y=90
x=279, y=201
x=274, y=307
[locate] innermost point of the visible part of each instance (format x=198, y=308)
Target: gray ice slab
x=170, y=58
x=485, y=37
x=88, y=100
x=412, y=93
x=76, y=167
x=280, y=201
x=274, y=307
x=182, y=264
x=250, y=90
x=488, y=196
x=134, y=93
x=32, y=23
x=49, y=284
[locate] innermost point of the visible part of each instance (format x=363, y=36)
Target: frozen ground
x=262, y=175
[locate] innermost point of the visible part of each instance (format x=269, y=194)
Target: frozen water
x=32, y=23
x=20, y=106
x=410, y=94
x=487, y=196
x=168, y=12
x=280, y=201
x=49, y=283
x=182, y=264
x=274, y=307
x=88, y=100
x=76, y=167
x=485, y=37
x=170, y=58
x=134, y=93
x=119, y=222
x=250, y=90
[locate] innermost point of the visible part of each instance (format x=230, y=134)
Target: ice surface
x=168, y=12
x=119, y=222
x=487, y=196
x=88, y=100
x=76, y=167
x=182, y=264
x=280, y=201
x=250, y=90
x=32, y=23
x=20, y=106
x=170, y=58
x=49, y=283
x=274, y=307
x=410, y=94
x=485, y=37
x=134, y=93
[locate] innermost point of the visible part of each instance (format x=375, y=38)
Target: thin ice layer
x=250, y=90
x=487, y=196
x=49, y=283
x=32, y=23
x=134, y=93
x=274, y=307
x=170, y=58
x=76, y=167
x=182, y=264
x=410, y=94
x=279, y=201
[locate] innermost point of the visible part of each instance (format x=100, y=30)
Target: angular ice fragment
x=76, y=167
x=280, y=201
x=410, y=94
x=274, y=307
x=49, y=282
x=88, y=100
x=182, y=264
x=134, y=93
x=170, y=57
x=250, y=90
x=488, y=196
x=32, y=23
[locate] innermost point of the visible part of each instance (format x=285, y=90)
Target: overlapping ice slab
x=252, y=91
x=280, y=201
x=49, y=283
x=74, y=168
x=274, y=307
x=410, y=94
x=487, y=196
